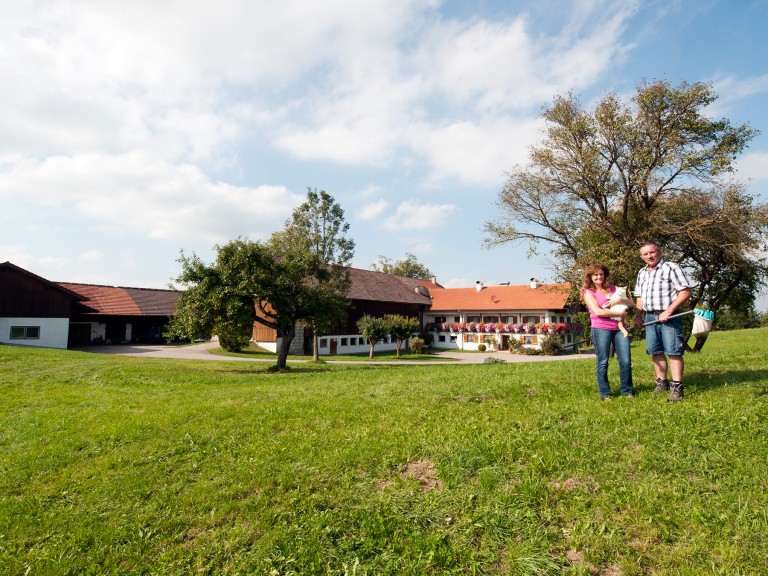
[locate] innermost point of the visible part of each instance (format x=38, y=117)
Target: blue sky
x=130, y=131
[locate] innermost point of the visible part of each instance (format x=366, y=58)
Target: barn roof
x=383, y=287
x=499, y=298
x=118, y=301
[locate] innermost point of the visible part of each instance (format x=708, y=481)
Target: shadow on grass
x=710, y=379
x=703, y=380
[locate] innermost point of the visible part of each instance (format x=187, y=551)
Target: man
x=661, y=288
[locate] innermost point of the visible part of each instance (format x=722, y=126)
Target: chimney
x=478, y=286
x=534, y=283
x=434, y=279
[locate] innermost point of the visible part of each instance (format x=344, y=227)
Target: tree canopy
x=408, y=267
x=318, y=225
x=373, y=329
x=654, y=167
x=299, y=275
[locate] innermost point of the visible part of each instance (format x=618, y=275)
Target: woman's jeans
x=602, y=339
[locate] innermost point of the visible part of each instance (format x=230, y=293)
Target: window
x=441, y=338
x=534, y=340
x=361, y=341
x=489, y=319
x=323, y=343
x=453, y=338
x=25, y=332
x=510, y=319
x=531, y=319
x=470, y=337
x=473, y=318
x=343, y=341
x=440, y=319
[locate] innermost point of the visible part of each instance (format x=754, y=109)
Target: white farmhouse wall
x=54, y=332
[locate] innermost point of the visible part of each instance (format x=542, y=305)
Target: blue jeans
x=602, y=339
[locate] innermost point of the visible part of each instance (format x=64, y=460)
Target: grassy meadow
x=117, y=465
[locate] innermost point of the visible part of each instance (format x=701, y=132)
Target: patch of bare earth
x=574, y=484
x=422, y=471
x=577, y=559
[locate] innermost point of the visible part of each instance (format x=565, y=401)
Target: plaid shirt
x=658, y=288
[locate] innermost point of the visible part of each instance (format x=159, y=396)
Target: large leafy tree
x=408, y=267
x=318, y=226
x=657, y=167
x=265, y=282
x=298, y=275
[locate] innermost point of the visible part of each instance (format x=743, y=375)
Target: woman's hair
x=591, y=269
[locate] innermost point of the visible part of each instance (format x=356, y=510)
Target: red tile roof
x=518, y=297
x=116, y=301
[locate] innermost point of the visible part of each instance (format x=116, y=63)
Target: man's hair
x=649, y=243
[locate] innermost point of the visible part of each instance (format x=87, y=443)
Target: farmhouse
x=370, y=292
x=37, y=312
x=453, y=318
x=33, y=310
x=500, y=316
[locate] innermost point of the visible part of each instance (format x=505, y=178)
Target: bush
x=552, y=345
x=417, y=346
x=481, y=347
x=233, y=339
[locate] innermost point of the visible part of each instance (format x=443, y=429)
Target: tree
x=249, y=282
x=213, y=300
x=400, y=328
x=373, y=329
x=654, y=167
x=318, y=226
x=409, y=267
x=298, y=275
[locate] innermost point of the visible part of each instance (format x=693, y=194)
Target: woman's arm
x=595, y=308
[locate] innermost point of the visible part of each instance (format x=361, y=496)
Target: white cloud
x=477, y=152
x=372, y=210
x=91, y=256
x=134, y=194
x=412, y=215
x=753, y=166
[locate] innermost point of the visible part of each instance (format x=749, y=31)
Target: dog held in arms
x=618, y=303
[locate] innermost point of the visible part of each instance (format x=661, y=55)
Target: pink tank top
x=599, y=321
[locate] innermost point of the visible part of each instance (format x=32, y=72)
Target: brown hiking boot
x=662, y=385
x=675, y=392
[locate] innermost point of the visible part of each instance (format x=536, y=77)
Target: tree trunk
x=698, y=345
x=370, y=354
x=285, y=344
x=315, y=347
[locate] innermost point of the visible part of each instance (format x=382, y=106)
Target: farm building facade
x=37, y=312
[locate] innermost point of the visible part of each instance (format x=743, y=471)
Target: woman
x=596, y=291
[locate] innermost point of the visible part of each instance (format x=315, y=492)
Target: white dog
x=618, y=303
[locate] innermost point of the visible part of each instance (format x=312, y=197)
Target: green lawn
x=116, y=465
